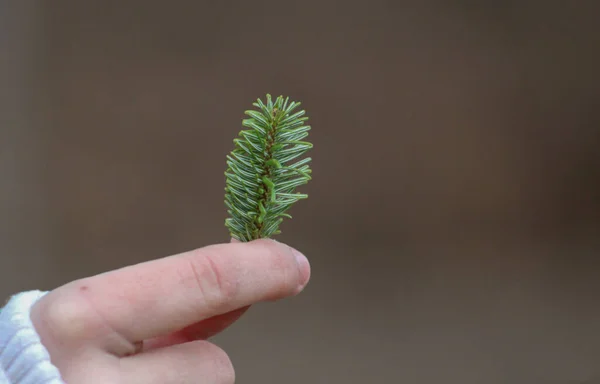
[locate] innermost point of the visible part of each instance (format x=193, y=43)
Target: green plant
x=261, y=177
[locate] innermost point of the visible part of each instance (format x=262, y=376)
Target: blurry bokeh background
x=453, y=221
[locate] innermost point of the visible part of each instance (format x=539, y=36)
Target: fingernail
x=304, y=267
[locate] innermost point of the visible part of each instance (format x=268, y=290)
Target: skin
x=149, y=323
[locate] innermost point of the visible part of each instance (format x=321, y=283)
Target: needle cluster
x=265, y=168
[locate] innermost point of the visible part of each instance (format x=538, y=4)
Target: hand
x=148, y=323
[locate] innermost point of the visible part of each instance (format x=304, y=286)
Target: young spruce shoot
x=265, y=168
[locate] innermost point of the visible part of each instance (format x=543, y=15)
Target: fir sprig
x=261, y=177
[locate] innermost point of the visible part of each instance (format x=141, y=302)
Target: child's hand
x=148, y=323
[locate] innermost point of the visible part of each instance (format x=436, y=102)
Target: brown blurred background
x=454, y=213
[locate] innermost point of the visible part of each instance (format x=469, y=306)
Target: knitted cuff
x=23, y=358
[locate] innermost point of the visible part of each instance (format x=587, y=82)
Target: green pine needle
x=262, y=177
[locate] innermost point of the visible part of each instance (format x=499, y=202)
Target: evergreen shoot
x=265, y=168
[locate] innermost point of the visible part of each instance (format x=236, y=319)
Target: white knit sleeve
x=23, y=358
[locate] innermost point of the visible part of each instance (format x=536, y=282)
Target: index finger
x=159, y=297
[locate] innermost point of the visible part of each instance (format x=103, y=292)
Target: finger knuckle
x=67, y=316
x=215, y=280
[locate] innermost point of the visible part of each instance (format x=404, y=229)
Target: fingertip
x=301, y=261
x=303, y=267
